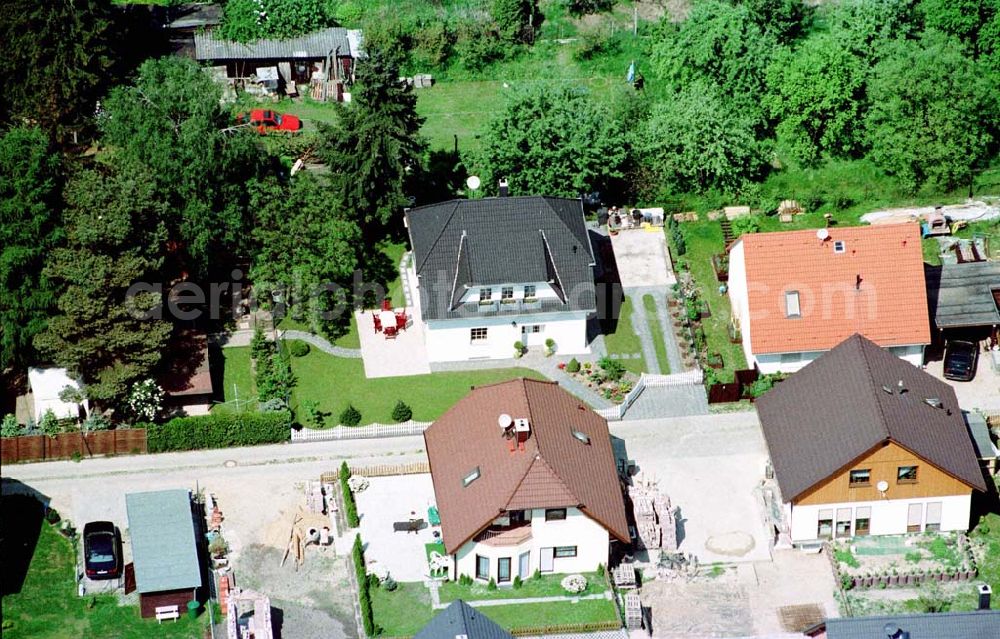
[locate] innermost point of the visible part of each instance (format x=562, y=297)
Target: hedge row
x=218, y=430
x=364, y=589
x=350, y=506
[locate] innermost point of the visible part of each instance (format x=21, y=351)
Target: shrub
x=76, y=456
x=350, y=506
x=389, y=584
x=464, y=580
x=52, y=516
x=763, y=384
x=351, y=416
x=477, y=45
x=517, y=582
x=746, y=224
x=573, y=366
x=519, y=346
x=492, y=585
x=364, y=595
x=432, y=43
x=401, y=412
x=259, y=346
x=298, y=348
x=218, y=430
x=600, y=570
x=49, y=425
x=613, y=369
x=96, y=421
x=537, y=575
x=272, y=405
x=574, y=584
x=10, y=427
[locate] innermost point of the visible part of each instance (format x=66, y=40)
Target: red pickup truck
x=267, y=121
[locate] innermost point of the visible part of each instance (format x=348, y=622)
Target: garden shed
x=164, y=549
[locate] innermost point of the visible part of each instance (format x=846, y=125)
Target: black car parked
x=102, y=550
x=960, y=360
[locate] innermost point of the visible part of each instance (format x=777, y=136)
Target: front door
x=547, y=559
x=524, y=565
x=533, y=334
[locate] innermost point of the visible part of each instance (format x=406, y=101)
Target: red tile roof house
x=863, y=443
x=797, y=294
x=525, y=479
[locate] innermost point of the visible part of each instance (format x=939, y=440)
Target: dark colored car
x=102, y=550
x=960, y=360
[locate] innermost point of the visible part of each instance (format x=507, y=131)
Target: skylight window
x=839, y=246
x=583, y=437
x=471, y=477
x=792, y=304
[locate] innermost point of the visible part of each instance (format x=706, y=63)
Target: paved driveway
x=982, y=392
x=642, y=258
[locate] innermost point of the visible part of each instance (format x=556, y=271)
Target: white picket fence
x=371, y=431
x=616, y=413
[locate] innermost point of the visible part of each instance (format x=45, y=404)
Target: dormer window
x=840, y=246
x=529, y=292
x=507, y=293
x=792, y=304
x=472, y=476
x=485, y=294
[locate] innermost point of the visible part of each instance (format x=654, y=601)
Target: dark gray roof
x=836, y=409
x=318, y=44
x=980, y=624
x=504, y=240
x=965, y=297
x=979, y=431
x=161, y=528
x=462, y=620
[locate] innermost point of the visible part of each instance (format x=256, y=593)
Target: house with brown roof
x=797, y=294
x=863, y=443
x=525, y=479
x=186, y=377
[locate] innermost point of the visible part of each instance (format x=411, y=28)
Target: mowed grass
x=237, y=379
x=624, y=341
x=406, y=610
x=48, y=605
x=541, y=586
x=335, y=382
x=649, y=304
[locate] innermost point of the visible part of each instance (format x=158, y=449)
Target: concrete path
x=640, y=322
x=642, y=330
x=669, y=401
x=322, y=344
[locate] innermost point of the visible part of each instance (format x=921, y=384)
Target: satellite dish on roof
x=823, y=234
x=473, y=182
x=505, y=421
x=882, y=486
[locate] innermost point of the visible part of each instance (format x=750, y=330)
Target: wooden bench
x=167, y=612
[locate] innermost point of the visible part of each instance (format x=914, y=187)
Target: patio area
x=400, y=355
x=388, y=501
x=642, y=258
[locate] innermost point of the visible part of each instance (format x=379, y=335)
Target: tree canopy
x=170, y=125
x=553, y=141
x=934, y=113
x=250, y=20
x=30, y=227
x=115, y=238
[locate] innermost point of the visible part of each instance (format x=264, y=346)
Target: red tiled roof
x=554, y=470
x=875, y=287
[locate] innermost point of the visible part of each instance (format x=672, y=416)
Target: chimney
x=857, y=282
x=984, y=596
x=504, y=191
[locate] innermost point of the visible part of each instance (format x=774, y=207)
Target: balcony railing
x=505, y=536
x=510, y=306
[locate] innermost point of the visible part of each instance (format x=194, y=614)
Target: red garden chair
x=378, y=323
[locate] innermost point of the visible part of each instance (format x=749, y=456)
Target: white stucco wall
x=449, y=340
x=590, y=538
x=772, y=363
x=888, y=516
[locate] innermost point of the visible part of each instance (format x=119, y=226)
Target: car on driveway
x=960, y=360
x=102, y=550
x=268, y=121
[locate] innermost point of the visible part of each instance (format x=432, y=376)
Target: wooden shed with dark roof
x=524, y=468
x=862, y=442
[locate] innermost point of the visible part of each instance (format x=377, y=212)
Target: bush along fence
x=218, y=430
x=364, y=588
x=615, y=413
x=25, y=448
x=350, y=506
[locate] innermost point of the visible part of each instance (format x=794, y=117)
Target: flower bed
x=601, y=382
x=880, y=562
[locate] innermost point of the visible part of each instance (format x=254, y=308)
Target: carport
x=967, y=298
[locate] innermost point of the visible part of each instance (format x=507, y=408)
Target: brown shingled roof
x=890, y=308
x=554, y=470
x=846, y=402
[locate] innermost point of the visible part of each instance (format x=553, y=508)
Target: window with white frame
x=792, y=308
x=477, y=334
x=529, y=292
x=507, y=293
x=485, y=294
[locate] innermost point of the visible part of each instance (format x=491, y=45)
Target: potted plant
x=518, y=349
x=550, y=347
x=893, y=578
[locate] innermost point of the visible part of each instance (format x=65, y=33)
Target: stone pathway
x=669, y=401
x=322, y=344
x=641, y=325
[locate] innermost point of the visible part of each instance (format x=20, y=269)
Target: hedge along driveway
x=218, y=430
x=335, y=382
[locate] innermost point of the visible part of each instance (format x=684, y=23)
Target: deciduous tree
x=30, y=227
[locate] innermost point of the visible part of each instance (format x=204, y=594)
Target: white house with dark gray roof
x=490, y=272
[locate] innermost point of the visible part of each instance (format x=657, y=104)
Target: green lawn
x=406, y=610
x=657, y=329
x=624, y=341
x=48, y=605
x=237, y=378
x=334, y=382
x=543, y=586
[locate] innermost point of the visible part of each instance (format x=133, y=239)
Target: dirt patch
x=314, y=601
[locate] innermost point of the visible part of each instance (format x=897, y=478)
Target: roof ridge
x=869, y=376
x=550, y=258
x=547, y=198
x=444, y=226
x=458, y=267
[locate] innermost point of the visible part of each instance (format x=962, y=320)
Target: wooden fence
x=64, y=445
x=378, y=470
